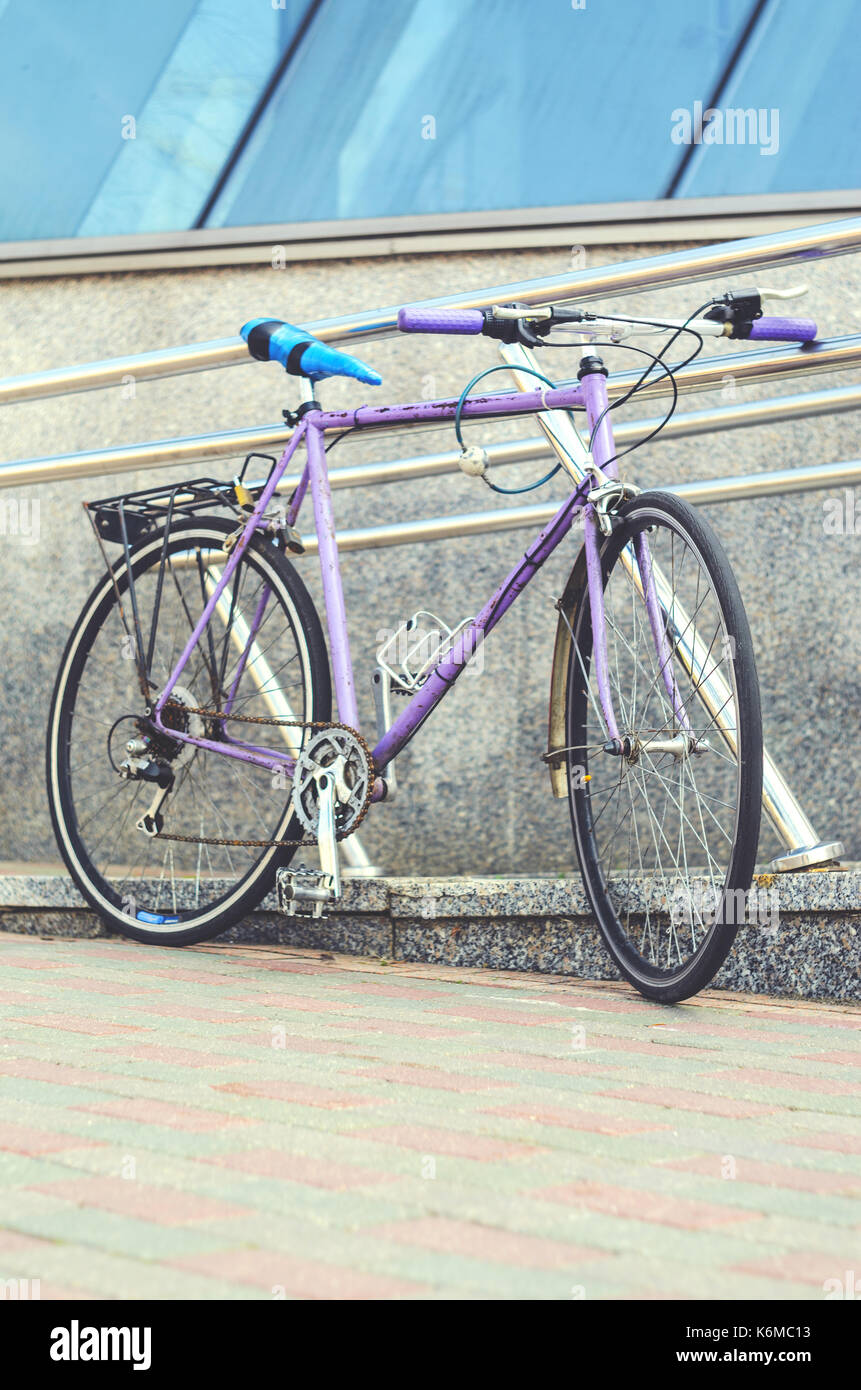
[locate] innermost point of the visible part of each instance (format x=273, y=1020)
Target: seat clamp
x=292, y=417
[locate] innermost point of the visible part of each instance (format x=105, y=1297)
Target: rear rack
x=129, y=517
x=125, y=518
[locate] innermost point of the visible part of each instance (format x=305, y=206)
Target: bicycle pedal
x=304, y=892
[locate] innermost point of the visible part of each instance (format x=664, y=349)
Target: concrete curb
x=806, y=943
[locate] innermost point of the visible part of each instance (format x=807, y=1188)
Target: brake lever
x=795, y=293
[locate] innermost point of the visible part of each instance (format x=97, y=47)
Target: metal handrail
x=776, y=409
x=734, y=488
x=648, y=273
x=831, y=354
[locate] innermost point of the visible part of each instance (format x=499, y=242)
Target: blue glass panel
x=407, y=107
x=421, y=106
x=799, y=75
x=188, y=71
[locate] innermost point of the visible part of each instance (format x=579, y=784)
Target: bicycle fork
x=597, y=518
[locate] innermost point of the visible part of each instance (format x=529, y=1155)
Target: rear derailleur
x=140, y=766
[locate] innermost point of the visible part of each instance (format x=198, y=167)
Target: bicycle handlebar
x=418, y=320
x=784, y=330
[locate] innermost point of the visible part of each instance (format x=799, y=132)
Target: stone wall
x=474, y=796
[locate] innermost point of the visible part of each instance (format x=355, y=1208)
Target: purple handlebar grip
x=420, y=320
x=790, y=330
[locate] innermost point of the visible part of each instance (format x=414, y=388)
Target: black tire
x=627, y=906
x=256, y=875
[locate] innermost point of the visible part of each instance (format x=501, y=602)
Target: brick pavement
x=256, y=1122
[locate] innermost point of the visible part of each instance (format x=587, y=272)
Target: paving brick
x=805, y=1267
x=292, y=1003
x=142, y=1200
x=789, y=1081
x=85, y=984
x=401, y=992
x=156, y=1112
x=10, y=997
x=294, y=1278
x=429, y=1078
x=428, y=1140
x=639, y=1205
x=16, y=1243
x=174, y=1056
x=747, y=1170
x=483, y=1013
x=68, y=1023
x=179, y=974
x=320, y=1047
x=556, y=1066
x=837, y=1059
x=11, y=963
x=396, y=1028
x=656, y=1049
x=487, y=1243
x=836, y=1143
x=589, y=1120
x=192, y=1013
x=23, y=1139
x=58, y=1073
x=674, y=1098
x=299, y=1168
x=299, y=1093
x=587, y=1001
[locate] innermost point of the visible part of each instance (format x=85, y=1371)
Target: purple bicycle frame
x=591, y=395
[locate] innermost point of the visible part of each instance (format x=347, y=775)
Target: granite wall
x=474, y=796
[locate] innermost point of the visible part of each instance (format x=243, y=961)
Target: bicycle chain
x=282, y=724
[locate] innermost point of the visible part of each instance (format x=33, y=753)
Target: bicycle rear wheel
x=666, y=823
x=150, y=887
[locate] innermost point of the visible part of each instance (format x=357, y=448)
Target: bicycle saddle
x=273, y=340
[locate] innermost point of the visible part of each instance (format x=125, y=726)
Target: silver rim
x=664, y=818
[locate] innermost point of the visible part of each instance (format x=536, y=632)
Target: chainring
x=342, y=754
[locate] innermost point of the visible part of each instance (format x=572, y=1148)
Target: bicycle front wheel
x=666, y=814
x=261, y=654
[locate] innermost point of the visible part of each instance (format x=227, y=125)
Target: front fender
x=567, y=605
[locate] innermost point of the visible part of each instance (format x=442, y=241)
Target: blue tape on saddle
x=316, y=362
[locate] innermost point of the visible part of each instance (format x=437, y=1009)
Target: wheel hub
x=152, y=752
x=680, y=745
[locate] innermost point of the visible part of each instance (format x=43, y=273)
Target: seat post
x=333, y=589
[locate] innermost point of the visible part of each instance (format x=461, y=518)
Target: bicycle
x=192, y=746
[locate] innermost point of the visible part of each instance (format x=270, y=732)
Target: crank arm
x=327, y=839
